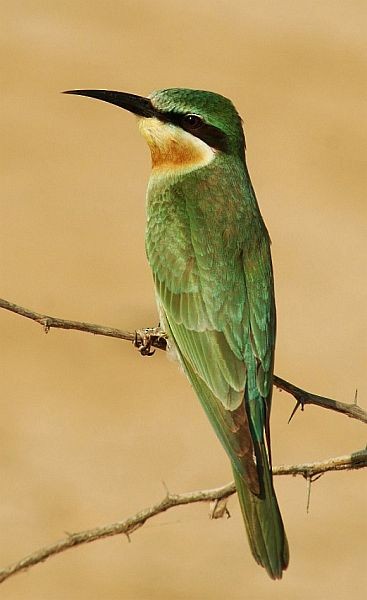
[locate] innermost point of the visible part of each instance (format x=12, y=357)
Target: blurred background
x=89, y=430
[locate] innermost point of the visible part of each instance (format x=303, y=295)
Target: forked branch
x=159, y=341
x=145, y=340
x=357, y=460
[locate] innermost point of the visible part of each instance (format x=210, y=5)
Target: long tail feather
x=259, y=506
x=263, y=520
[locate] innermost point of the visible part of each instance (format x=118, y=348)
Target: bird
x=209, y=251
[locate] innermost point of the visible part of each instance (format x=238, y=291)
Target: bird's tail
x=262, y=518
x=259, y=507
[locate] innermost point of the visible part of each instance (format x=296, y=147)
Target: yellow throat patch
x=173, y=148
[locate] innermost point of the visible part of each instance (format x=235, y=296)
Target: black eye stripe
x=214, y=137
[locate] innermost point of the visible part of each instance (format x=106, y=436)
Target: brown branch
x=144, y=340
x=357, y=460
x=351, y=410
x=48, y=322
x=159, y=341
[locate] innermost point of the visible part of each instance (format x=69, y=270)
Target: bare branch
x=159, y=341
x=351, y=410
x=144, y=340
x=357, y=460
x=48, y=322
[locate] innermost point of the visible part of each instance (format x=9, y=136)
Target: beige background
x=89, y=429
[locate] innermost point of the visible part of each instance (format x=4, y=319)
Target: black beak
x=136, y=104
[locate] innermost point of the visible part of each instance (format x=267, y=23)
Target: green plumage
x=209, y=252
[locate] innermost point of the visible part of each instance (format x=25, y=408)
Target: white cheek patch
x=173, y=148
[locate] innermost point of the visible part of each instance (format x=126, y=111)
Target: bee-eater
x=209, y=252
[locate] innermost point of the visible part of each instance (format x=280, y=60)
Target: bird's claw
x=145, y=338
x=143, y=342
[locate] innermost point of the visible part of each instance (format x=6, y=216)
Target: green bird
x=209, y=251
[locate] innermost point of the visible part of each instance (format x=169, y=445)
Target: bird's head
x=184, y=128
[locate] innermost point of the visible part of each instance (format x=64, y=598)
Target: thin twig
x=48, y=322
x=159, y=341
x=351, y=410
x=357, y=460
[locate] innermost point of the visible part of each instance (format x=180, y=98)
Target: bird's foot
x=147, y=340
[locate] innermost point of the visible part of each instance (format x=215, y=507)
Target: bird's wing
x=225, y=338
x=203, y=344
x=221, y=314
x=261, y=305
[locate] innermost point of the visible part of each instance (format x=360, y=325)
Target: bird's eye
x=192, y=121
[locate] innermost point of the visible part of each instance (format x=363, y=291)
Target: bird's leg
x=146, y=340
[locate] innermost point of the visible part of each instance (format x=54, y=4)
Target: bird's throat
x=173, y=149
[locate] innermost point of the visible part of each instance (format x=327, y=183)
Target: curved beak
x=135, y=104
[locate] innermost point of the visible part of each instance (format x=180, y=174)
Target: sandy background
x=89, y=429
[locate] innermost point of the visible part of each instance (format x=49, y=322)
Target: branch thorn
x=299, y=404
x=46, y=324
x=309, y=482
x=166, y=488
x=218, y=509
